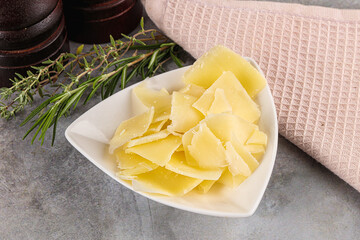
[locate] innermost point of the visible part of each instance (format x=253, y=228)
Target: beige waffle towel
x=311, y=59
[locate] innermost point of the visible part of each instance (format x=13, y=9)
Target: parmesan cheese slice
x=224, y=125
x=158, y=152
x=160, y=100
x=178, y=165
x=131, y=161
x=220, y=103
x=148, y=138
x=163, y=181
x=257, y=137
x=180, y=148
x=193, y=90
x=156, y=126
x=207, y=149
x=131, y=128
x=183, y=116
x=205, y=185
x=186, y=141
x=212, y=64
x=241, y=103
x=132, y=172
x=236, y=164
x=245, y=155
x=201, y=134
x=256, y=150
x=229, y=180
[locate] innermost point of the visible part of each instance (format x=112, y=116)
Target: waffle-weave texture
x=310, y=57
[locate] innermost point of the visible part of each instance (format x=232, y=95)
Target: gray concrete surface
x=56, y=193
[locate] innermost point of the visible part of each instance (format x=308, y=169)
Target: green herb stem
x=62, y=82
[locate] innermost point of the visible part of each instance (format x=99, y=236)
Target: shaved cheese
x=132, y=172
x=181, y=105
x=193, y=90
x=205, y=185
x=160, y=100
x=224, y=125
x=203, y=104
x=241, y=103
x=131, y=128
x=180, y=148
x=197, y=136
x=159, y=151
x=163, y=181
x=148, y=138
x=258, y=137
x=207, y=149
x=256, y=150
x=231, y=181
x=131, y=161
x=186, y=141
x=178, y=164
x=220, y=103
x=245, y=155
x=236, y=164
x=218, y=59
x=156, y=126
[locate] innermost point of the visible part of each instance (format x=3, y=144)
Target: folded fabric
x=311, y=59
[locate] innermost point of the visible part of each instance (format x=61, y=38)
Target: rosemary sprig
x=63, y=82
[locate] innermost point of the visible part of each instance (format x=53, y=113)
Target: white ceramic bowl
x=91, y=132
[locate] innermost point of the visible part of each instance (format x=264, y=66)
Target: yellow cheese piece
x=131, y=161
x=229, y=180
x=203, y=104
x=162, y=114
x=241, y=103
x=160, y=100
x=258, y=156
x=173, y=132
x=127, y=178
x=207, y=149
x=256, y=150
x=212, y=64
x=178, y=165
x=258, y=137
x=148, y=138
x=193, y=90
x=186, y=141
x=131, y=128
x=205, y=185
x=159, y=151
x=245, y=155
x=183, y=116
x=132, y=172
x=156, y=126
x=220, y=103
x=163, y=181
x=180, y=148
x=224, y=125
x=236, y=164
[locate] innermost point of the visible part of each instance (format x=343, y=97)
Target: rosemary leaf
x=79, y=49
x=123, y=77
x=112, y=41
x=153, y=59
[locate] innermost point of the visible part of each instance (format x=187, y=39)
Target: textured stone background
x=55, y=193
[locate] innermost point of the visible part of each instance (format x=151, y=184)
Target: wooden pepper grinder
x=30, y=33
x=92, y=21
